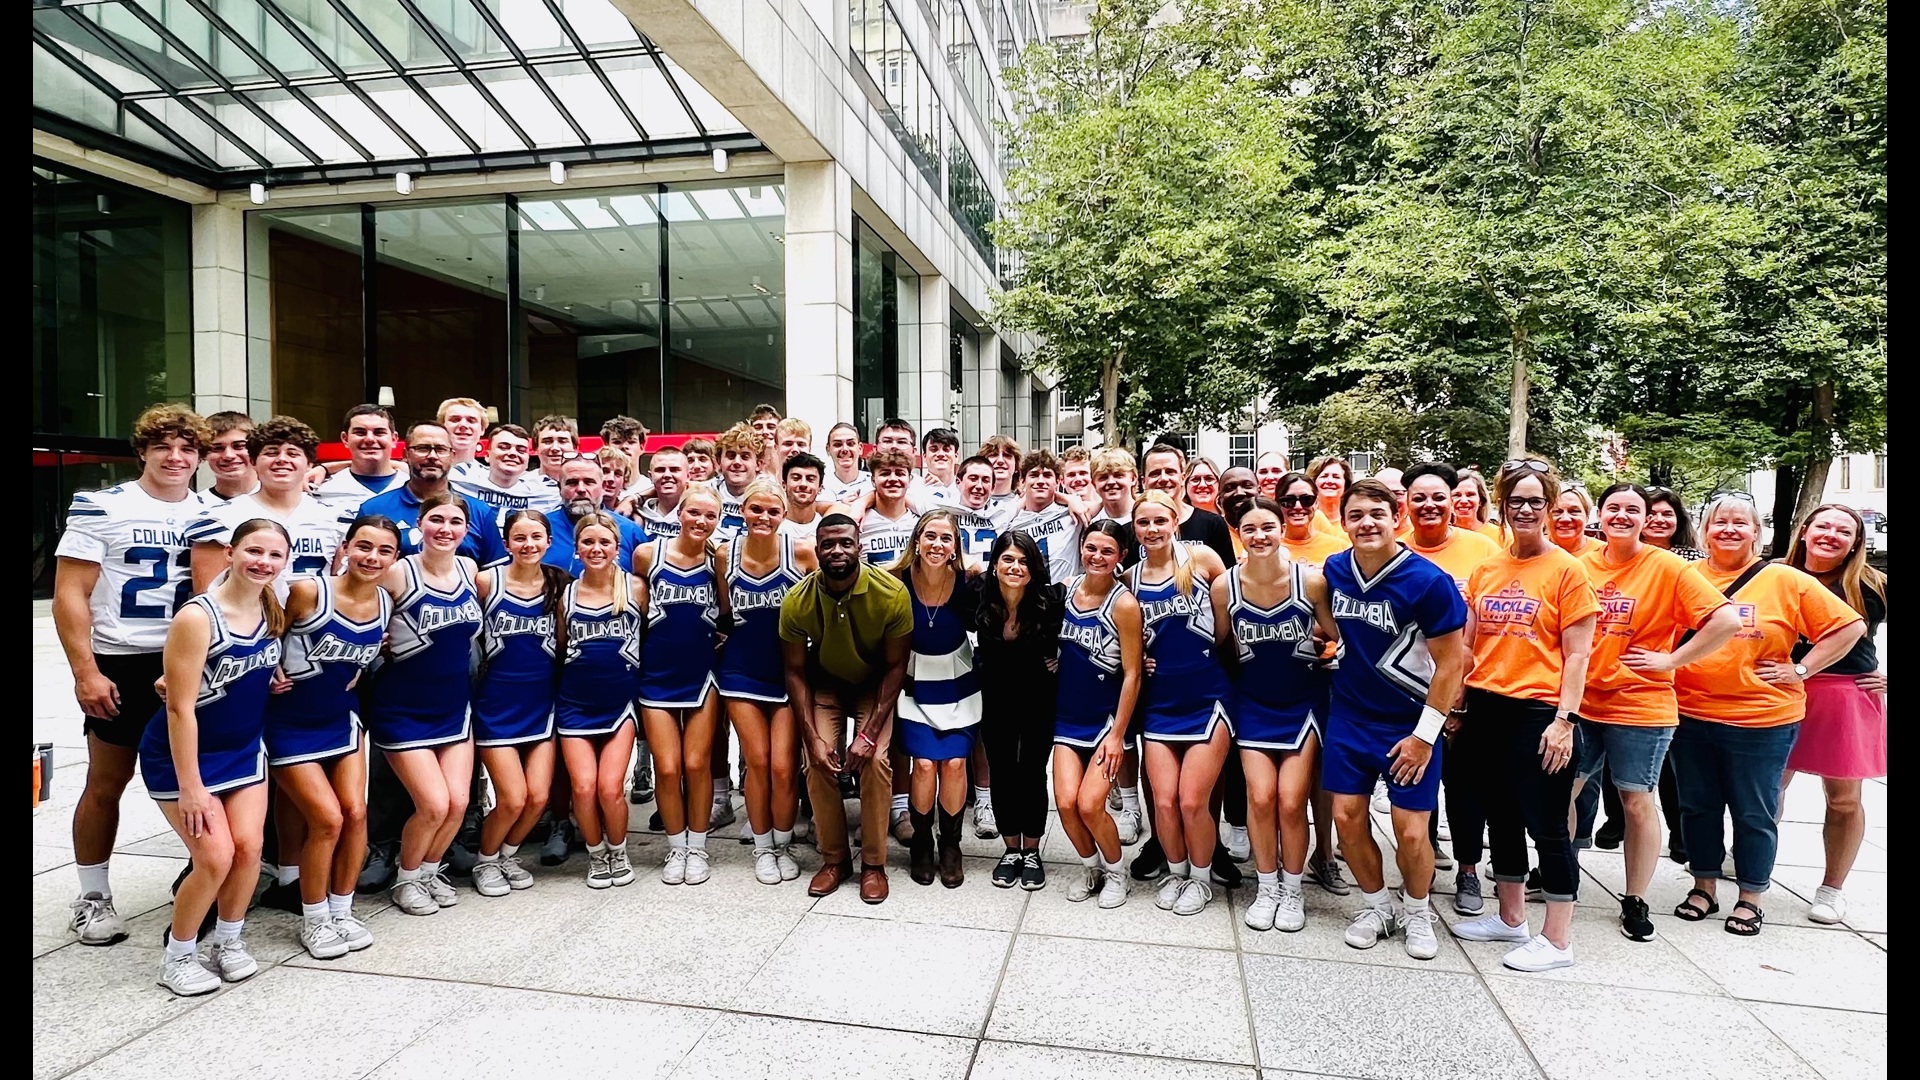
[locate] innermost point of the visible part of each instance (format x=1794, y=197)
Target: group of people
x=1153, y=643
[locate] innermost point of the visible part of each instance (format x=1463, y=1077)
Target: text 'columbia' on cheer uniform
x=229, y=712
x=318, y=719
x=519, y=673
x=420, y=693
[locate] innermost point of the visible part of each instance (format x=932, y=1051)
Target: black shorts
x=134, y=675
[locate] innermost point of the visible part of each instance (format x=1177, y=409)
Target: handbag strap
x=1732, y=591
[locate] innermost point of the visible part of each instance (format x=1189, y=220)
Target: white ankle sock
x=678, y=839
x=287, y=875
x=600, y=848
x=429, y=870
x=1178, y=869
x=93, y=879
x=1108, y=866
x=1413, y=904
x=227, y=931
x=316, y=910
x=762, y=841
x=1269, y=880
x=509, y=850
x=982, y=796
x=176, y=947
x=1381, y=899
x=339, y=906
x=1291, y=881
x=418, y=873
x=696, y=841
x=1130, y=799
x=782, y=837
x=1090, y=860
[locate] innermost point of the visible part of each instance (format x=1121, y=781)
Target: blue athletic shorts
x=1355, y=755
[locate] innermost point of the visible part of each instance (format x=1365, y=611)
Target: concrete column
x=220, y=311
x=987, y=377
x=819, y=243
x=1023, y=424
x=936, y=359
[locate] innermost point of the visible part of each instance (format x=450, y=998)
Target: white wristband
x=1431, y=721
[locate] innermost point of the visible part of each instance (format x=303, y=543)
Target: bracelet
x=865, y=738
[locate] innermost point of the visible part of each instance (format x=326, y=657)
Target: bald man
x=1391, y=478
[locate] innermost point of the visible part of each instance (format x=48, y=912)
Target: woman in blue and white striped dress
x=594, y=710
x=763, y=563
x=939, y=709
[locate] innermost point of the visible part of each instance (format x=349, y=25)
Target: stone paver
x=736, y=980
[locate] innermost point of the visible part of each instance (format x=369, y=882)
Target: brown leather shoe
x=873, y=884
x=952, y=872
x=830, y=877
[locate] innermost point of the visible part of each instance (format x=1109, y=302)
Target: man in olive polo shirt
x=845, y=633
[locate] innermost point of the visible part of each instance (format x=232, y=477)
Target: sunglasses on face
x=1295, y=500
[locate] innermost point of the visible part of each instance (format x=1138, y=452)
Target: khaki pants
x=831, y=719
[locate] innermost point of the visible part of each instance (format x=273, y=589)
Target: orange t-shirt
x=1324, y=524
x=1778, y=607
x=1489, y=530
x=1404, y=530
x=1458, y=554
x=1317, y=548
x=1519, y=608
x=1582, y=546
x=1647, y=601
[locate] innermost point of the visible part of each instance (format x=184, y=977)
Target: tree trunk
x=1819, y=462
x=1517, y=398
x=1110, y=398
x=1786, y=490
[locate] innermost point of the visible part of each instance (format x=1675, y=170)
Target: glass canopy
x=230, y=92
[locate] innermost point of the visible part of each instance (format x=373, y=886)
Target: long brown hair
x=275, y=612
x=904, y=568
x=1856, y=577
x=553, y=580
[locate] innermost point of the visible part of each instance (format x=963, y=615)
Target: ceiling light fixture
x=557, y=172
x=719, y=161
x=403, y=183
x=539, y=292
x=257, y=194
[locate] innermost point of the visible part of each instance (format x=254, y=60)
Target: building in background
x=672, y=209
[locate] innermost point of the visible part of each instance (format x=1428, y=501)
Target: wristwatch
x=1800, y=670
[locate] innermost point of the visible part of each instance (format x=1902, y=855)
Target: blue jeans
x=1735, y=771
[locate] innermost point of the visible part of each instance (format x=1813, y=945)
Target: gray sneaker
x=620, y=865
x=517, y=875
x=441, y=890
x=353, y=931
x=231, y=961
x=722, y=815
x=1467, y=899
x=413, y=898
x=599, y=869
x=1326, y=874
x=98, y=924
x=322, y=938
x=490, y=878
x=186, y=977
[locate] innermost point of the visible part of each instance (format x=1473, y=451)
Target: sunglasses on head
x=1743, y=496
x=1526, y=465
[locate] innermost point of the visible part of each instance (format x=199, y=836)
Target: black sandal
x=1740, y=926
x=1688, y=913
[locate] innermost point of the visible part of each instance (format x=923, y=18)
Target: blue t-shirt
x=562, y=553
x=483, y=543
x=1385, y=669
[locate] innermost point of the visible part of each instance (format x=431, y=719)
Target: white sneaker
x=1193, y=898
x=766, y=867
x=699, y=866
x=1381, y=804
x=517, y=875
x=1421, y=943
x=1539, y=954
x=1445, y=834
x=184, y=976
x=413, y=898
x=322, y=939
x=984, y=826
x=1369, y=927
x=599, y=869
x=490, y=878
x=1490, y=927
x=620, y=865
x=441, y=890
x=231, y=961
x=1238, y=846
x=722, y=814
x=1114, y=801
x=746, y=831
x=1113, y=888
x=353, y=932
x=98, y=924
x=674, y=870
x=1084, y=884
x=1127, y=823
x=1292, y=915
x=1266, y=905
x=789, y=867
x=1829, y=906
x=1169, y=892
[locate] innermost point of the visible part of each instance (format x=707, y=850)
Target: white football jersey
x=343, y=492
x=639, y=489
x=978, y=528
x=525, y=493
x=883, y=539
x=145, y=562
x=658, y=523
x=926, y=487
x=834, y=490
x=790, y=527
x=316, y=531
x=1057, y=531
x=732, y=521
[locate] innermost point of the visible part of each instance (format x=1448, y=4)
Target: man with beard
x=845, y=633
x=429, y=448
x=580, y=482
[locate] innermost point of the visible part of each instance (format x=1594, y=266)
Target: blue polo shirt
x=562, y=552
x=482, y=544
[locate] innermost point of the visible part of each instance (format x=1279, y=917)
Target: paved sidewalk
x=737, y=980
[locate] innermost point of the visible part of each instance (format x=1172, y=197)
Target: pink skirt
x=1844, y=736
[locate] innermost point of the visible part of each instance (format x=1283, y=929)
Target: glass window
x=1846, y=473
x=880, y=335
x=968, y=197
x=316, y=349
x=901, y=89
x=726, y=286
x=1240, y=450
x=1880, y=471
x=441, y=323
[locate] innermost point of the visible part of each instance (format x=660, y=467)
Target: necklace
x=932, y=610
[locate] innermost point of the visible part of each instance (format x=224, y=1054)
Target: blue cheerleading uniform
x=513, y=699
x=601, y=676
x=751, y=665
x=939, y=707
x=230, y=712
x=676, y=667
x=319, y=719
x=1090, y=674
x=1186, y=695
x=1280, y=694
x=421, y=692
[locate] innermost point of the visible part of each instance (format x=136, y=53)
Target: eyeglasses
x=429, y=450
x=1526, y=465
x=1526, y=502
x=1295, y=500
x=1659, y=493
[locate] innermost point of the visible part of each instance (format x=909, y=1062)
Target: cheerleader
x=334, y=630
x=763, y=563
x=1186, y=727
x=682, y=608
x=939, y=706
x=1268, y=612
x=202, y=757
x=525, y=605
x=418, y=709
x=1100, y=657
x=594, y=708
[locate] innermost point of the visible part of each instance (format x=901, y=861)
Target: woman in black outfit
x=1018, y=626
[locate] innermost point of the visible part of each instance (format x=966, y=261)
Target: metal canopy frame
x=149, y=56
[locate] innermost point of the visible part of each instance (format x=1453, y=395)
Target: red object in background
x=335, y=451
